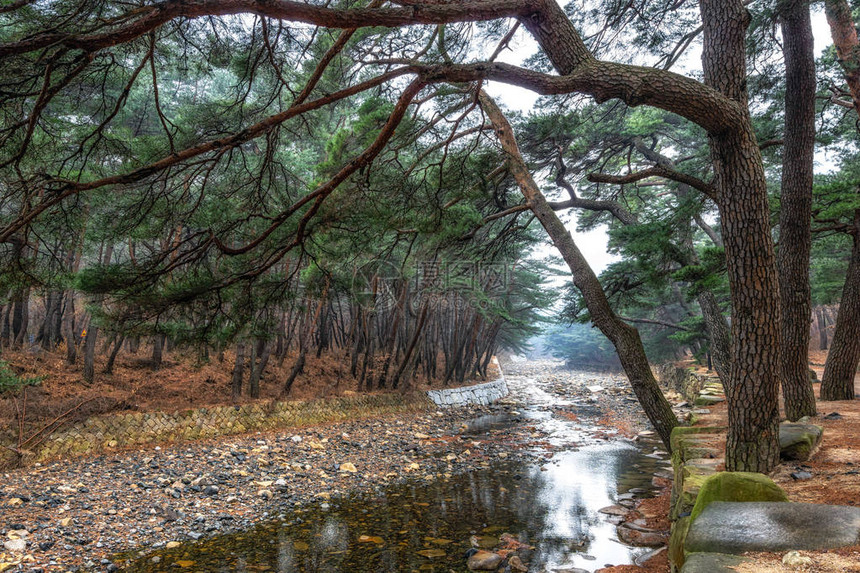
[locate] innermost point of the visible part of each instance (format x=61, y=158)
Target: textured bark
x=624, y=337
x=844, y=33
x=752, y=391
x=844, y=356
x=795, y=215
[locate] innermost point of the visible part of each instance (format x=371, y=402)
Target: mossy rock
x=708, y=400
x=797, y=442
x=736, y=486
x=676, y=542
x=685, y=490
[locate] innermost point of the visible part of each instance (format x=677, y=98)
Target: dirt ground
x=835, y=469
x=180, y=383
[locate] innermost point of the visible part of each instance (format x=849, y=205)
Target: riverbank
x=78, y=514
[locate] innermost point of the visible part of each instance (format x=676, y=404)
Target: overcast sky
x=593, y=243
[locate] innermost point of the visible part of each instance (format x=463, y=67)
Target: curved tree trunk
x=623, y=336
x=795, y=213
x=841, y=366
x=752, y=388
x=752, y=391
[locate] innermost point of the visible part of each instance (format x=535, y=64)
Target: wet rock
x=483, y=541
x=516, y=565
x=641, y=536
x=614, y=510
x=484, y=561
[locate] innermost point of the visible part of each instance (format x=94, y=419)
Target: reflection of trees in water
x=554, y=510
x=286, y=553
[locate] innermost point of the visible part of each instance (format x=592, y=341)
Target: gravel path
x=74, y=514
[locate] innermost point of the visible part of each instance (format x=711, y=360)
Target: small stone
x=348, y=467
x=795, y=559
x=211, y=490
x=296, y=439
x=833, y=416
x=172, y=544
x=265, y=494
x=484, y=561
x=16, y=545
x=517, y=566
x=801, y=475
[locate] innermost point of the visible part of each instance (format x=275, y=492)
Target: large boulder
x=736, y=486
x=798, y=441
x=736, y=527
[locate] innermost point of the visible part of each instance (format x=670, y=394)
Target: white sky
x=593, y=243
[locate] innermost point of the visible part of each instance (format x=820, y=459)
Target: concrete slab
x=735, y=527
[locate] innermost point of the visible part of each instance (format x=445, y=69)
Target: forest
x=261, y=183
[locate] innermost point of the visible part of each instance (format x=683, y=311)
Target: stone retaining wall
x=134, y=429
x=480, y=394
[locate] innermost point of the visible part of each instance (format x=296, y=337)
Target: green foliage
x=12, y=383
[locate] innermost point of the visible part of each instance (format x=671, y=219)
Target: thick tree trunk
x=624, y=337
x=795, y=214
x=844, y=356
x=752, y=391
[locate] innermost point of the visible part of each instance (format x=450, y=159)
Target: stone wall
x=133, y=429
x=480, y=394
x=682, y=380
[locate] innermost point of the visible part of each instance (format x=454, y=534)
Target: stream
x=550, y=502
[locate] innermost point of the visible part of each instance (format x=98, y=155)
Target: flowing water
x=423, y=526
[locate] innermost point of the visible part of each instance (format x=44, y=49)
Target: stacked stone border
x=105, y=433
x=698, y=481
x=479, y=394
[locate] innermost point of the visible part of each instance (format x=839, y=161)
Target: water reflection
x=426, y=527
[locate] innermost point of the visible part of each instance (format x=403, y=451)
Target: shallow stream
x=426, y=526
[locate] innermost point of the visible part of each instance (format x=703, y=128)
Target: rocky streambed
x=524, y=478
